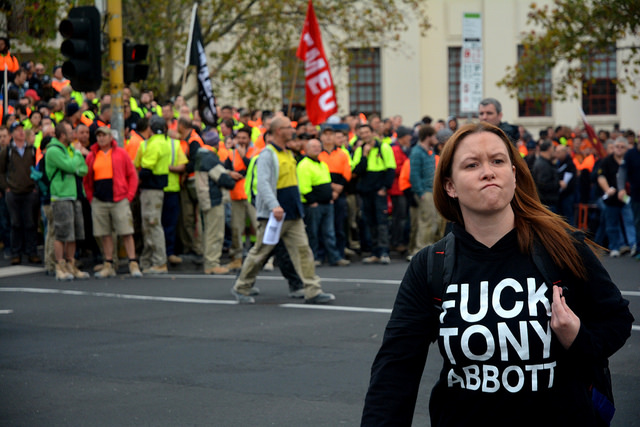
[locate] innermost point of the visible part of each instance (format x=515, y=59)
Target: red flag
x=321, y=95
x=593, y=138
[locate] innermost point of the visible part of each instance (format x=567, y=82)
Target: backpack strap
x=545, y=265
x=440, y=263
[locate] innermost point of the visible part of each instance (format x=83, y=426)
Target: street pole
x=116, y=78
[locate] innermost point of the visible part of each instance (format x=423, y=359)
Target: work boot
x=61, y=271
x=236, y=264
x=106, y=271
x=174, y=259
x=269, y=265
x=71, y=268
x=134, y=269
x=156, y=269
x=216, y=270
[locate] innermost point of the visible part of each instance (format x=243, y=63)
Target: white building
x=423, y=76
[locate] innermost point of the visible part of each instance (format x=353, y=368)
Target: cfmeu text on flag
x=320, y=91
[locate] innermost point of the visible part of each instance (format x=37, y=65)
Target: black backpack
x=440, y=265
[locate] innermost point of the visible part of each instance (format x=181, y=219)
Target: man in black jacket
x=546, y=177
x=490, y=111
x=567, y=175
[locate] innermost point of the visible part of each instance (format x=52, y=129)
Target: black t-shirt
x=609, y=169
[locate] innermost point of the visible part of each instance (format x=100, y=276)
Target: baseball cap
x=32, y=94
x=157, y=124
x=103, y=129
x=15, y=125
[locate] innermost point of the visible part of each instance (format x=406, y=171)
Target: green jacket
x=62, y=166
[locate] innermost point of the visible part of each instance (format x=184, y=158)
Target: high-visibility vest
x=237, y=164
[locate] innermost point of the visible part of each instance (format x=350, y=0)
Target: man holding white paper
x=278, y=195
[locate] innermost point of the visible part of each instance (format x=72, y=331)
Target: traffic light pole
x=116, y=79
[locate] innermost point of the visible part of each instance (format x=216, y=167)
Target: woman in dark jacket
x=517, y=348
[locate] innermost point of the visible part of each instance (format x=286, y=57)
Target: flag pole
x=293, y=86
x=189, y=41
x=5, y=97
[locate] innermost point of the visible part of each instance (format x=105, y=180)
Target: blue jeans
x=617, y=217
x=320, y=227
x=376, y=219
x=170, y=213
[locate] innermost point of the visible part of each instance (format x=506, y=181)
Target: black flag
x=206, y=99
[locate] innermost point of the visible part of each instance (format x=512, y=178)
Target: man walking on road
x=278, y=195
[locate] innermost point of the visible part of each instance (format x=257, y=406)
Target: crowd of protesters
x=181, y=190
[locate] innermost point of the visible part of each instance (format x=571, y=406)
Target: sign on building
x=471, y=63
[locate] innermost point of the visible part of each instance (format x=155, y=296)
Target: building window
x=535, y=100
x=287, y=71
x=454, y=81
x=365, y=88
x=599, y=90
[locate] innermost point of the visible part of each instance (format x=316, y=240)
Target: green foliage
x=250, y=38
x=575, y=33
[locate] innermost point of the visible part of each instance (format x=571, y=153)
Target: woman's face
x=483, y=179
x=36, y=119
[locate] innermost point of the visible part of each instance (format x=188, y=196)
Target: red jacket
x=400, y=159
x=125, y=178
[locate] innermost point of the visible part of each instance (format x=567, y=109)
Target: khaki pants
x=154, y=253
x=213, y=222
x=430, y=223
x=413, y=233
x=240, y=211
x=49, y=253
x=189, y=225
x=295, y=239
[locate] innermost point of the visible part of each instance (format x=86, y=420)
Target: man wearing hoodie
x=63, y=165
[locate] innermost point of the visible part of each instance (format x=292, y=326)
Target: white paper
x=272, y=233
x=567, y=177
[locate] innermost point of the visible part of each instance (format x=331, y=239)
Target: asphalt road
x=178, y=351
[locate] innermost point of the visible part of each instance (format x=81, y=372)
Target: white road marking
x=19, y=270
x=635, y=328
x=120, y=296
x=273, y=278
x=183, y=300
x=338, y=308
x=220, y=302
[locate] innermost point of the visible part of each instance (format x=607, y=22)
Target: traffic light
x=132, y=55
x=82, y=46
